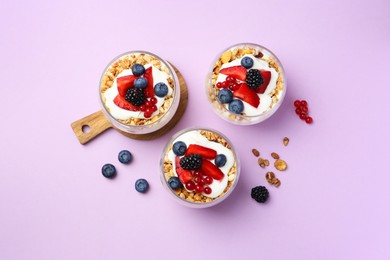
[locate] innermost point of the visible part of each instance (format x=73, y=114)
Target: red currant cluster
x=149, y=107
x=302, y=110
x=199, y=183
x=230, y=82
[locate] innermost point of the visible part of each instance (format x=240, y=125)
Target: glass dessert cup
x=135, y=122
x=202, y=139
x=273, y=92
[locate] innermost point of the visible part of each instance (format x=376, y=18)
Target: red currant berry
x=197, y=174
x=303, y=116
x=304, y=103
x=219, y=85
x=309, y=120
x=149, y=110
x=207, y=190
x=147, y=115
x=142, y=108
x=148, y=104
x=197, y=179
x=304, y=109
x=230, y=79
x=234, y=87
x=297, y=103
x=298, y=111
x=153, y=100
x=209, y=180
x=199, y=188
x=154, y=108
x=202, y=181
x=225, y=84
x=190, y=185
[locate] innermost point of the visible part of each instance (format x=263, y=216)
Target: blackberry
x=135, y=96
x=191, y=162
x=254, y=78
x=260, y=194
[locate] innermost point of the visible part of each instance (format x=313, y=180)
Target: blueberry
x=220, y=160
x=142, y=185
x=225, y=95
x=247, y=62
x=108, y=170
x=174, y=183
x=160, y=89
x=138, y=69
x=125, y=156
x=140, y=83
x=236, y=106
x=179, y=148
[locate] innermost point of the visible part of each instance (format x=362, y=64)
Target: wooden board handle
x=90, y=126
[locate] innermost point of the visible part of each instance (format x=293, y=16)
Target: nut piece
x=255, y=152
x=266, y=162
x=269, y=176
x=280, y=165
x=285, y=141
x=275, y=155
x=260, y=161
x=226, y=56
x=276, y=182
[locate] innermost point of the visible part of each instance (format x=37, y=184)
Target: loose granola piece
x=280, y=165
x=269, y=175
x=275, y=156
x=255, y=152
x=276, y=182
x=260, y=161
x=266, y=162
x=286, y=141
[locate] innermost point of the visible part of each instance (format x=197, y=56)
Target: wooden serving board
x=89, y=127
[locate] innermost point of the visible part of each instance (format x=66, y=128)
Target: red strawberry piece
x=204, y=152
x=247, y=94
x=238, y=72
x=149, y=90
x=124, y=83
x=267, y=77
x=184, y=175
x=209, y=169
x=123, y=103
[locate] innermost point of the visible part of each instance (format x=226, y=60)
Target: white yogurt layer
x=123, y=114
x=265, y=99
x=194, y=137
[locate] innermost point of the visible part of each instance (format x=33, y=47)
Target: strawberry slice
x=149, y=90
x=239, y=72
x=184, y=175
x=209, y=169
x=267, y=77
x=204, y=152
x=124, y=83
x=123, y=103
x=247, y=94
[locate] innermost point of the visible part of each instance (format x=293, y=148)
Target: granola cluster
x=193, y=196
x=126, y=62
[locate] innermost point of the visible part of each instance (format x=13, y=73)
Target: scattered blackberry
x=135, y=96
x=254, y=78
x=260, y=194
x=191, y=162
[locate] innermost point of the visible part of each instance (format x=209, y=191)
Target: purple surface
x=333, y=201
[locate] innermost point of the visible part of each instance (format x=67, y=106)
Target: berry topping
x=303, y=116
x=138, y=69
x=149, y=88
x=123, y=103
x=254, y=78
x=209, y=169
x=236, y=106
x=220, y=160
x=204, y=152
x=124, y=83
x=142, y=185
x=153, y=100
x=247, y=62
x=298, y=111
x=109, y=171
x=197, y=179
x=304, y=103
x=309, y=120
x=248, y=95
x=184, y=175
x=238, y=72
x=190, y=185
x=135, y=96
x=197, y=173
x=174, y=183
x=304, y=109
x=199, y=188
x=234, y=86
x=140, y=83
x=125, y=156
x=219, y=85
x=179, y=148
x=230, y=79
x=225, y=96
x=260, y=194
x=208, y=180
x=191, y=162
x=297, y=103
x=266, y=77
x=147, y=114
x=161, y=89
x=207, y=190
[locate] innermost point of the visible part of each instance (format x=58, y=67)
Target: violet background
x=334, y=199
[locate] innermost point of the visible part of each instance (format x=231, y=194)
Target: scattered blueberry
x=225, y=95
x=220, y=160
x=247, y=62
x=125, y=156
x=160, y=89
x=142, y=185
x=140, y=83
x=174, y=183
x=138, y=69
x=236, y=106
x=108, y=170
x=179, y=148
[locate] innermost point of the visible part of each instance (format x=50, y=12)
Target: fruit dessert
x=200, y=166
x=137, y=88
x=247, y=80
